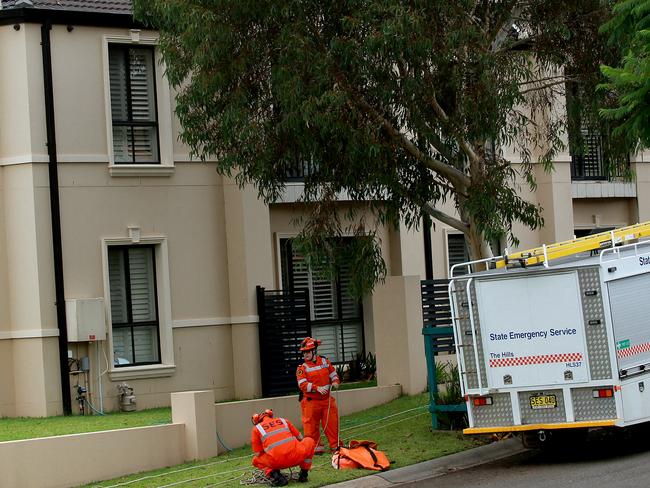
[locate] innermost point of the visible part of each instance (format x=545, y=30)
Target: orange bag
x=360, y=454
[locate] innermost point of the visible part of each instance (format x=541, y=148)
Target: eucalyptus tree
x=628, y=82
x=404, y=105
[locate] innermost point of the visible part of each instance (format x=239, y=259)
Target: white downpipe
x=99, y=379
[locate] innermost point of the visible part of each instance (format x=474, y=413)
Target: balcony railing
x=590, y=166
x=299, y=171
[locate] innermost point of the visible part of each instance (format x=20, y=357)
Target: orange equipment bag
x=360, y=454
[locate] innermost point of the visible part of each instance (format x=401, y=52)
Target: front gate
x=284, y=322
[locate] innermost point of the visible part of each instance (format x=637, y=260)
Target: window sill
x=142, y=372
x=140, y=170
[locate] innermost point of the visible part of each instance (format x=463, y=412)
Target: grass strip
x=12, y=429
x=401, y=428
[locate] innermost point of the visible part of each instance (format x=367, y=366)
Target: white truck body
x=557, y=347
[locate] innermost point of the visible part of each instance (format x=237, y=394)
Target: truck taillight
x=481, y=401
x=603, y=393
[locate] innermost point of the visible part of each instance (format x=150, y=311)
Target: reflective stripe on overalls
x=267, y=435
x=322, y=365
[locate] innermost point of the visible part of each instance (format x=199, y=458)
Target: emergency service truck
x=556, y=340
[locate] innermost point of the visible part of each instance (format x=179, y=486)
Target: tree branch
x=504, y=25
x=445, y=219
x=449, y=172
x=542, y=87
x=548, y=78
x=464, y=145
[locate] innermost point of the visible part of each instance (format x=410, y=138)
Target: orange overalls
x=318, y=408
x=278, y=444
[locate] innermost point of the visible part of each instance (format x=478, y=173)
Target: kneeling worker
x=277, y=444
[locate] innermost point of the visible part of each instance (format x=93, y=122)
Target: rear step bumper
x=522, y=428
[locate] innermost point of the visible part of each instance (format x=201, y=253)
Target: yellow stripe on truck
x=521, y=428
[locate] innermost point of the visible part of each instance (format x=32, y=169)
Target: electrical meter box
x=86, y=319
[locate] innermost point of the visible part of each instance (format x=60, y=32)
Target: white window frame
x=164, y=106
x=161, y=257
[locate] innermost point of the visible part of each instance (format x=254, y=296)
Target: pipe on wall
x=55, y=210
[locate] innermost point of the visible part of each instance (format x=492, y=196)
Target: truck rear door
x=532, y=330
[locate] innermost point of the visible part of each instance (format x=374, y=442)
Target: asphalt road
x=603, y=460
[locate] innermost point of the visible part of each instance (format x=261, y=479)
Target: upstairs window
x=133, y=104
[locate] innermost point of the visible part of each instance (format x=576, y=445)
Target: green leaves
x=629, y=84
x=396, y=103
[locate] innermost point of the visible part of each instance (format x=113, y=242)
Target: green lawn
x=402, y=429
x=12, y=429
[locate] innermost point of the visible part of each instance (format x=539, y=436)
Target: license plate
x=543, y=401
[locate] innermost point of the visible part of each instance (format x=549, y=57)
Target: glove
x=323, y=390
x=335, y=386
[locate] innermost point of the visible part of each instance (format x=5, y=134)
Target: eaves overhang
x=67, y=17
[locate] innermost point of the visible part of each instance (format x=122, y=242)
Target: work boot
x=277, y=478
x=304, y=475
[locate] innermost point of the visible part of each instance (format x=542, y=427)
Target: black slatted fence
x=436, y=312
x=284, y=322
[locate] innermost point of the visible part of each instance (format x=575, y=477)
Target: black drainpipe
x=56, y=217
x=428, y=248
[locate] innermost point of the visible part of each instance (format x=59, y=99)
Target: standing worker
x=316, y=377
x=277, y=444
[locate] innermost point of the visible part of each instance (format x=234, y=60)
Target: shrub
x=369, y=366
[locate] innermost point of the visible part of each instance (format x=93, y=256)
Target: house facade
x=124, y=261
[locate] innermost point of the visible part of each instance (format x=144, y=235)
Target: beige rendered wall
x=599, y=212
x=188, y=210
x=7, y=397
x=234, y=418
x=397, y=309
x=22, y=126
x=411, y=255
x=82, y=458
x=250, y=263
x=31, y=290
x=642, y=172
x=203, y=360
x=554, y=195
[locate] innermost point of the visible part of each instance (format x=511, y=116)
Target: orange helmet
x=308, y=344
x=258, y=417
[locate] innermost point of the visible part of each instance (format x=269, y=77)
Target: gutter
x=56, y=217
x=67, y=17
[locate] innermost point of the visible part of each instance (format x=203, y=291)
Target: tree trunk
x=477, y=246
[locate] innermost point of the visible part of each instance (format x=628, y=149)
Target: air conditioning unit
x=86, y=319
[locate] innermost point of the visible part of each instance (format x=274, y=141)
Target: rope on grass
x=257, y=478
x=199, y=478
x=384, y=418
x=190, y=468
x=167, y=473
x=396, y=422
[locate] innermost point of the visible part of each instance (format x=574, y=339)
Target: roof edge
x=67, y=17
